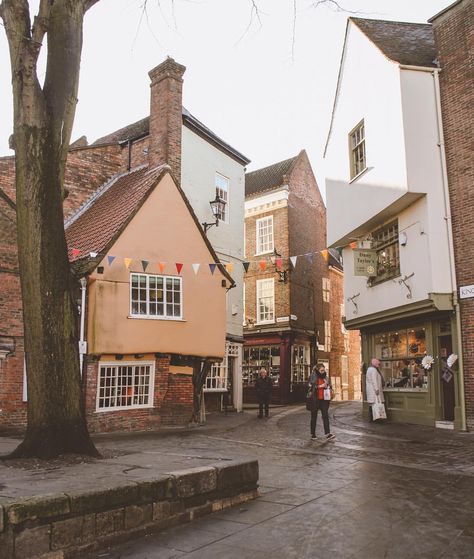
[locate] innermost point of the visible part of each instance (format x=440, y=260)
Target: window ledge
x=264, y=253
x=124, y=408
x=359, y=175
x=264, y=322
x=143, y=317
x=222, y=390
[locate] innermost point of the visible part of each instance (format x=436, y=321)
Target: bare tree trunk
x=43, y=119
x=200, y=372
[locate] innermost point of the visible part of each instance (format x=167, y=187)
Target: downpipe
x=82, y=341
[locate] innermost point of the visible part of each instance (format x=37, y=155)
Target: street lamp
x=217, y=207
x=277, y=262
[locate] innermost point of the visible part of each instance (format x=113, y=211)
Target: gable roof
x=141, y=129
x=269, y=177
x=96, y=226
x=411, y=44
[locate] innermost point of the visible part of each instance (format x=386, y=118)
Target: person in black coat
x=263, y=386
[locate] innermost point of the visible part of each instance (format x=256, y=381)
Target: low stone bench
x=66, y=524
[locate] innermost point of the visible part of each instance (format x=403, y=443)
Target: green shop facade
x=400, y=338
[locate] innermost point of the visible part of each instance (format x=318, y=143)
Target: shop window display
x=256, y=357
x=400, y=353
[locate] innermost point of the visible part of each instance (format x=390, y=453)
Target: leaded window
x=125, y=385
x=155, y=296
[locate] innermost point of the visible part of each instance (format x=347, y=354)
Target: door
x=446, y=378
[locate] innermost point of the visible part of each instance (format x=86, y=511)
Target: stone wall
x=71, y=523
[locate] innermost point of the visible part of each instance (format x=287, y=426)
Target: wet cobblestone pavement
x=379, y=491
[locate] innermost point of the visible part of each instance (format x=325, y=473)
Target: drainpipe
x=82, y=341
x=447, y=219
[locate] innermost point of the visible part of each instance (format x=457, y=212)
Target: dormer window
x=357, y=150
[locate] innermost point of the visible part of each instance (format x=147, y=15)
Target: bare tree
x=43, y=119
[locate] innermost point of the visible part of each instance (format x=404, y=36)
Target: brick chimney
x=166, y=106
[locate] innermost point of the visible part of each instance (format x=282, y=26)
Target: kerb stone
x=236, y=474
x=83, y=502
x=195, y=481
x=43, y=506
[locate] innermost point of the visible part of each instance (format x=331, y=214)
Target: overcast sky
x=265, y=94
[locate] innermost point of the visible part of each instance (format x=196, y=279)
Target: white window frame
x=357, y=145
x=222, y=190
x=117, y=364
x=327, y=335
x=164, y=316
x=268, y=247
x=326, y=290
x=259, y=287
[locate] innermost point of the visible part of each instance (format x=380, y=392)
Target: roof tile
x=268, y=177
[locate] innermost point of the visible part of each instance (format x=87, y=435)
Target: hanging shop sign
x=466, y=292
x=365, y=262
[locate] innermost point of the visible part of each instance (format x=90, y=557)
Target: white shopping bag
x=378, y=411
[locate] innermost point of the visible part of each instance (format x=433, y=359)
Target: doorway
x=445, y=345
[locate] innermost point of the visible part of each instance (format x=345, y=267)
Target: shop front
x=415, y=392
x=288, y=360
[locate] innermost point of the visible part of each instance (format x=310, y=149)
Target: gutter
x=447, y=219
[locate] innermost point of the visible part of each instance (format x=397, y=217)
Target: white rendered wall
x=369, y=89
x=200, y=162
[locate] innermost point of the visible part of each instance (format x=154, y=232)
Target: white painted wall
x=403, y=157
x=200, y=161
x=369, y=89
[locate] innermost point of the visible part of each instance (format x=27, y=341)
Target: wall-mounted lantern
x=217, y=207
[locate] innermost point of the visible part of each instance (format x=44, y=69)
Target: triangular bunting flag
x=162, y=266
x=93, y=254
x=310, y=257
x=353, y=245
x=179, y=267
x=212, y=267
x=127, y=262
x=246, y=266
x=196, y=268
x=263, y=265
x=75, y=252
x=229, y=267
x=145, y=264
x=110, y=259
x=325, y=254
x=293, y=260
x=279, y=263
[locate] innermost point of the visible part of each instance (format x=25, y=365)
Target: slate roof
x=406, y=43
x=268, y=177
x=141, y=128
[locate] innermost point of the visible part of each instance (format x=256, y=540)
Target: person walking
x=374, y=384
x=320, y=389
x=263, y=386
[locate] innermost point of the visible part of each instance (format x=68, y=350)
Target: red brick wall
x=343, y=343
x=172, y=402
x=307, y=233
x=454, y=35
x=282, y=293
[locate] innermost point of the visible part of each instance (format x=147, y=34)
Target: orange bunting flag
x=325, y=254
x=229, y=267
x=179, y=267
x=263, y=265
x=353, y=245
x=162, y=266
x=279, y=263
x=75, y=252
x=127, y=262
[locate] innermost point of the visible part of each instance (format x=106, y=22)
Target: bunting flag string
x=263, y=264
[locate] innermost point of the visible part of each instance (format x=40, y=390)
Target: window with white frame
x=357, y=150
x=218, y=377
x=125, y=385
x=326, y=290
x=265, y=300
x=327, y=335
x=156, y=296
x=222, y=190
x=300, y=363
x=264, y=228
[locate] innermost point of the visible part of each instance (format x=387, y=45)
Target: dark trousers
x=322, y=405
x=263, y=403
